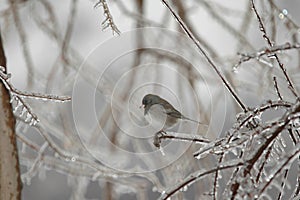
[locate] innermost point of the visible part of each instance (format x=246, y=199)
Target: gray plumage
x=159, y=108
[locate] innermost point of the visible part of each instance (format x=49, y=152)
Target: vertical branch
x=10, y=182
x=212, y=64
x=276, y=88
x=66, y=41
x=183, y=15
x=271, y=44
x=23, y=38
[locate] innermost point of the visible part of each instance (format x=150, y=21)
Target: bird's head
x=149, y=100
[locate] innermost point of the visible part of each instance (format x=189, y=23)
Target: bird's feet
x=157, y=138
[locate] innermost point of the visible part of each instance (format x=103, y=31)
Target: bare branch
x=269, y=52
x=271, y=44
x=276, y=88
x=66, y=40
x=193, y=38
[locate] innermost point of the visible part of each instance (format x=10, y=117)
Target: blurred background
x=107, y=55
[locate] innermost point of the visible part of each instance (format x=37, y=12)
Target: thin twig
x=267, y=155
x=193, y=38
x=276, y=88
x=271, y=44
x=266, y=52
x=227, y=26
x=184, y=17
x=66, y=40
x=216, y=179
x=36, y=163
x=283, y=183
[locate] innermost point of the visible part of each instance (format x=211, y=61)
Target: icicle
x=154, y=189
x=35, y=122
x=32, y=121
x=162, y=151
x=235, y=70
x=2, y=69
x=26, y=179
x=19, y=104
x=28, y=117
x=12, y=99
x=23, y=112
x=202, y=155
x=184, y=188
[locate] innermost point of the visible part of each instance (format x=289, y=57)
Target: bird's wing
x=170, y=110
x=173, y=113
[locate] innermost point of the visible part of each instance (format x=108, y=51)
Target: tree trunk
x=10, y=182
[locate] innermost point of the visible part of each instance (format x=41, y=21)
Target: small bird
x=162, y=111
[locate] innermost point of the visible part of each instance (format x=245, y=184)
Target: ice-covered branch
x=285, y=162
x=271, y=44
x=208, y=59
x=196, y=176
x=271, y=133
x=269, y=52
x=249, y=120
x=183, y=137
x=276, y=88
x=4, y=77
x=108, y=21
x=17, y=96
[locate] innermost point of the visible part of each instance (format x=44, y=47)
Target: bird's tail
x=186, y=118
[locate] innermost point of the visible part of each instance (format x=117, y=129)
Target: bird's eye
x=146, y=101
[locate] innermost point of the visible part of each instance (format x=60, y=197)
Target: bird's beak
x=142, y=106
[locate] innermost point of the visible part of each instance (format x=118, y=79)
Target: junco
x=162, y=111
